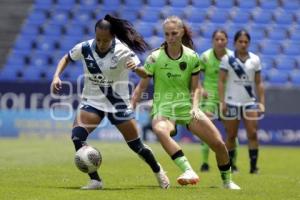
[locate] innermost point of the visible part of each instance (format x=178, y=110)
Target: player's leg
x=233, y=157
x=204, y=155
x=163, y=127
x=129, y=131
x=250, y=121
x=207, y=132
x=86, y=121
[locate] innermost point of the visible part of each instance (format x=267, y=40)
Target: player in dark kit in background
x=106, y=60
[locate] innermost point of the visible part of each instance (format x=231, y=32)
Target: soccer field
x=33, y=169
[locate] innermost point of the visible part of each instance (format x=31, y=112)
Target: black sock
x=224, y=167
x=253, y=155
x=177, y=154
x=138, y=147
x=79, y=135
x=231, y=154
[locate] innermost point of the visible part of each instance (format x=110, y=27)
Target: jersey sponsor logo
x=182, y=65
x=170, y=75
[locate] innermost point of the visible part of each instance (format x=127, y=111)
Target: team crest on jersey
x=182, y=65
x=89, y=57
x=114, y=62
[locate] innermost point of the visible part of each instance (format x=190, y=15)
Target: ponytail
x=125, y=32
x=187, y=37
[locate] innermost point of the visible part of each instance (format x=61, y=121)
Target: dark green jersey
x=172, y=79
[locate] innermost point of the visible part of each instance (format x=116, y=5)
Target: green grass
x=43, y=169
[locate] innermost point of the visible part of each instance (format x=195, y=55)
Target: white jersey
x=241, y=78
x=106, y=84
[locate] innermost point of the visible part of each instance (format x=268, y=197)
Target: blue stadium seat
x=43, y=4
x=179, y=3
x=89, y=4
x=82, y=18
x=111, y=4
x=292, y=48
x=295, y=79
x=247, y=4
x=270, y=48
x=257, y=35
x=63, y=3
x=196, y=15
x=240, y=17
x=267, y=62
x=219, y=16
x=178, y=11
x=46, y=43
x=134, y=4
x=39, y=58
x=202, y=45
x=30, y=29
x=32, y=73
x=290, y=5
x=8, y=74
x=201, y=4
x=155, y=41
x=52, y=30
x=267, y=4
x=37, y=17
x=286, y=63
x=146, y=29
x=295, y=35
x=278, y=78
x=224, y=4
x=59, y=17
x=283, y=17
x=156, y=3
x=129, y=13
x=150, y=14
x=277, y=33
x=262, y=17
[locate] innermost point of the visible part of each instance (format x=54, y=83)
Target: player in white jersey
x=107, y=59
x=239, y=76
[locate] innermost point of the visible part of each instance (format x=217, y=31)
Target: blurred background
x=35, y=34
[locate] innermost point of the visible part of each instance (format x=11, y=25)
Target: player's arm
x=195, y=93
x=140, y=88
x=260, y=89
x=56, y=82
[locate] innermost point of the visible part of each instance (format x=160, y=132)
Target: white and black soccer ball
x=88, y=159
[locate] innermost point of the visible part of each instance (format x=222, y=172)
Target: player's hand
x=223, y=107
x=196, y=113
x=56, y=85
x=130, y=64
x=261, y=109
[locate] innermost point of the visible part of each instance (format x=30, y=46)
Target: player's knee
x=218, y=146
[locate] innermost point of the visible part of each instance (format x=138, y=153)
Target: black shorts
x=114, y=118
x=238, y=112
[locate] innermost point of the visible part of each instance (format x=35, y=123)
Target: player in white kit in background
x=239, y=76
x=107, y=61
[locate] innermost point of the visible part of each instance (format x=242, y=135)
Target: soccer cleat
x=93, y=185
x=254, y=170
x=162, y=179
x=188, y=177
x=231, y=186
x=204, y=167
x=234, y=169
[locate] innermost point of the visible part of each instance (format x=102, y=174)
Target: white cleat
x=93, y=185
x=231, y=186
x=188, y=177
x=162, y=179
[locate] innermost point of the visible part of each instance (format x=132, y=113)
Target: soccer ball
x=88, y=159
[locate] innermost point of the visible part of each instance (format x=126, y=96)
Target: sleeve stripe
x=69, y=56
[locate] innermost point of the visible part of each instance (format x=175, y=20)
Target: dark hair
x=187, y=37
x=124, y=31
x=219, y=30
x=240, y=33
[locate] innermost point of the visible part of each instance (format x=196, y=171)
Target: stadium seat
x=43, y=4
x=246, y=4
x=179, y=3
x=240, y=17
x=155, y=41
x=277, y=78
x=295, y=35
x=178, y=11
x=146, y=29
x=52, y=30
x=111, y=4
x=290, y=5
x=262, y=17
x=156, y=3
x=224, y=4
x=292, y=49
x=196, y=15
x=295, y=79
x=8, y=74
x=129, y=13
x=267, y=62
x=202, y=4
x=136, y=4
x=219, y=16
x=270, y=48
x=283, y=17
x=46, y=43
x=285, y=63
x=277, y=33
x=150, y=14
x=267, y=4
x=37, y=17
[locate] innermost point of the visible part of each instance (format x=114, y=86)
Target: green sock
x=204, y=152
x=235, y=152
x=183, y=163
x=226, y=176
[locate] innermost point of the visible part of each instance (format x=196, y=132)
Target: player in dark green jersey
x=175, y=70
x=210, y=65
